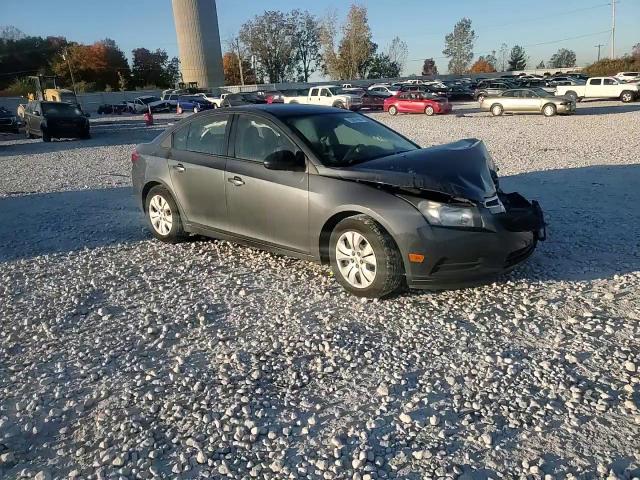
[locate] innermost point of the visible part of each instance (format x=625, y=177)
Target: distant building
x=199, y=42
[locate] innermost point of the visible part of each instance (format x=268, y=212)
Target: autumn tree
x=482, y=66
x=306, y=43
x=231, y=67
x=355, y=50
x=562, y=58
x=429, y=68
x=270, y=38
x=517, y=58
x=459, y=46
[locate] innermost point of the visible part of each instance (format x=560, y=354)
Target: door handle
x=237, y=181
x=179, y=167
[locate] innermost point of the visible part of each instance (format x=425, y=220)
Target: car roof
x=283, y=109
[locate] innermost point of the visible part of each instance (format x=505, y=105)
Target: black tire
x=45, y=136
x=481, y=97
x=389, y=270
x=626, y=96
x=572, y=95
x=497, y=110
x=393, y=110
x=549, y=110
x=86, y=136
x=339, y=105
x=177, y=233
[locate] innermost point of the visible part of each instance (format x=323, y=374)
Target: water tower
x=199, y=42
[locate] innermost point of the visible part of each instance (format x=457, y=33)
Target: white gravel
x=121, y=357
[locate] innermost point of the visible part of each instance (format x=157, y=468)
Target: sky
x=542, y=26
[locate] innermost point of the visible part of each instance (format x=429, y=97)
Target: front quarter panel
x=329, y=197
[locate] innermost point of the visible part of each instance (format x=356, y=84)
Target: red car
x=416, y=102
x=274, y=97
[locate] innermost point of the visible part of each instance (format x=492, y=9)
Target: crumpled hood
x=462, y=169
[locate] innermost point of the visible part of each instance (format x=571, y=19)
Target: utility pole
x=613, y=29
x=65, y=56
x=598, y=47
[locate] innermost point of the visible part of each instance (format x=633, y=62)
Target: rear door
x=529, y=101
x=197, y=161
x=404, y=102
x=610, y=87
x=265, y=205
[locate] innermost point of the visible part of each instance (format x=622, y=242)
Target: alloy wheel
x=160, y=215
x=356, y=259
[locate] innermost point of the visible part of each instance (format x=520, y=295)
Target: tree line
x=292, y=46
x=99, y=66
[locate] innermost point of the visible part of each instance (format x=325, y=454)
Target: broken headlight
x=446, y=215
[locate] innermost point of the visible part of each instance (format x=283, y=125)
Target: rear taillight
x=135, y=156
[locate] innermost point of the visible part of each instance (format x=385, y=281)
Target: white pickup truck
x=601, y=87
x=330, y=96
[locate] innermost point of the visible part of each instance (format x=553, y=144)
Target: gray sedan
x=527, y=100
x=336, y=187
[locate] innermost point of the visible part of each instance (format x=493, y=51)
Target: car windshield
x=344, y=139
x=335, y=90
x=148, y=100
x=61, y=109
x=68, y=97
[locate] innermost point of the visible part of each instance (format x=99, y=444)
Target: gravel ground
x=121, y=357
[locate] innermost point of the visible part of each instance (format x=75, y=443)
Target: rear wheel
x=572, y=95
x=626, y=96
x=364, y=258
x=497, y=110
x=163, y=215
x=339, y=105
x=429, y=111
x=549, y=110
x=196, y=109
x=393, y=110
x=45, y=136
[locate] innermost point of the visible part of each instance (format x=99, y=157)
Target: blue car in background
x=194, y=103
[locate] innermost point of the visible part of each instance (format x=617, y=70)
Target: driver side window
x=256, y=139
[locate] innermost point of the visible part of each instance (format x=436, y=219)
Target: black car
x=9, y=122
x=55, y=120
x=117, y=108
x=239, y=99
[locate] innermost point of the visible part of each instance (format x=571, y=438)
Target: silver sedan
x=527, y=100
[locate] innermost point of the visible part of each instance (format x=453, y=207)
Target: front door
x=265, y=205
x=196, y=161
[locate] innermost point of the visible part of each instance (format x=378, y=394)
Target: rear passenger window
x=610, y=81
x=180, y=138
x=206, y=135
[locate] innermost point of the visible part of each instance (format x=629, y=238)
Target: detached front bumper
x=456, y=258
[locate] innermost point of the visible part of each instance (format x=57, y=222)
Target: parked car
x=556, y=81
x=491, y=87
x=527, y=100
x=339, y=188
x=111, y=108
x=274, y=96
x=374, y=100
x=55, y=120
x=416, y=102
x=458, y=91
x=327, y=95
x=9, y=121
x=245, y=98
x=194, y=103
x=628, y=76
x=146, y=102
x=537, y=83
x=381, y=88
x=601, y=87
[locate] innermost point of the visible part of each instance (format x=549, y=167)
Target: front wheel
x=480, y=98
x=364, y=258
x=393, y=110
x=163, y=216
x=549, y=110
x=626, y=96
x=429, y=111
x=195, y=110
x=339, y=105
x=496, y=110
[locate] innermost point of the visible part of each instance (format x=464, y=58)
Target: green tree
x=517, y=58
x=152, y=68
x=27, y=56
x=429, y=68
x=270, y=38
x=563, y=58
x=381, y=66
x=306, y=43
x=459, y=46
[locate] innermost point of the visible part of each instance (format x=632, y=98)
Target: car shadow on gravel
x=592, y=221
x=608, y=109
x=41, y=224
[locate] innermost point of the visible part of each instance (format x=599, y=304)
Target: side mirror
x=37, y=114
x=286, y=160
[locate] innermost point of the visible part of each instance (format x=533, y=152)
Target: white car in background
x=384, y=88
x=628, y=76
